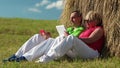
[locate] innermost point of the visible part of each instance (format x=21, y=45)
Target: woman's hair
x=92, y=15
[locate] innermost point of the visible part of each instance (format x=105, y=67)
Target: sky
x=31, y=9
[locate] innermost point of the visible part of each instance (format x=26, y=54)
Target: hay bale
x=109, y=9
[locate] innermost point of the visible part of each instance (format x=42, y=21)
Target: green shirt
x=75, y=31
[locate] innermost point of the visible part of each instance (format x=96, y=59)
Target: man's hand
x=45, y=34
x=66, y=33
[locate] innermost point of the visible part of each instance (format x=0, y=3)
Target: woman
x=88, y=45
x=38, y=46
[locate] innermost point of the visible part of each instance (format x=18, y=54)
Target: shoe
x=22, y=58
x=44, y=59
x=12, y=58
x=4, y=60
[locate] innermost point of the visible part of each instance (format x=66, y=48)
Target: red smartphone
x=42, y=32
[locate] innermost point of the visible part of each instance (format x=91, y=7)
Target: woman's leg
x=57, y=40
x=70, y=42
x=71, y=53
x=29, y=44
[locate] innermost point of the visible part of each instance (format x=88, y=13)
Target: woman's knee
x=70, y=37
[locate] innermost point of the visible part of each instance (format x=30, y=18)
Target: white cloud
x=58, y=4
x=47, y=4
x=44, y=2
x=52, y=5
x=34, y=10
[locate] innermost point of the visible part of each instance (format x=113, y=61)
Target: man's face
x=76, y=19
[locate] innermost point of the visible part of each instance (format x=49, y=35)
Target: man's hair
x=77, y=12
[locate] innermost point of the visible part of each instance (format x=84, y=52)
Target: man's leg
x=29, y=44
x=38, y=50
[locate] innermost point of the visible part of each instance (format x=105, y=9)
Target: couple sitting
x=85, y=44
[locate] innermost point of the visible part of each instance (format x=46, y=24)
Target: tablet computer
x=61, y=29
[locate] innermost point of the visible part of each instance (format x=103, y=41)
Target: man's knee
x=36, y=35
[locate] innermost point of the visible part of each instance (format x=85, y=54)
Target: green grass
x=14, y=32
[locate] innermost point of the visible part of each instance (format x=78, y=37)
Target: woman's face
x=90, y=23
x=76, y=19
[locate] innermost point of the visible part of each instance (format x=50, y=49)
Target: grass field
x=14, y=32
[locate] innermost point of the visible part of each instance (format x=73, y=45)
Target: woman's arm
x=95, y=35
